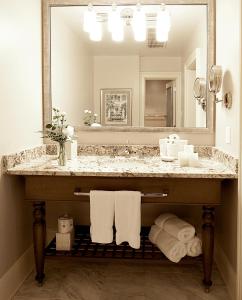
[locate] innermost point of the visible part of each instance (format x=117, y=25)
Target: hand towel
x=194, y=247
x=160, y=221
x=102, y=216
x=173, y=249
x=128, y=217
x=180, y=229
x=154, y=232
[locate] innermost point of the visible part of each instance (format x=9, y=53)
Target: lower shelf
x=83, y=247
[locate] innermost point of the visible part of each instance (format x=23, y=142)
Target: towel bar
x=78, y=193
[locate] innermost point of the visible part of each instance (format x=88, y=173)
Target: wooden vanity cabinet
x=181, y=191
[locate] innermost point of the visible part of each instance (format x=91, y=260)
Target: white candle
x=193, y=160
x=189, y=148
x=183, y=159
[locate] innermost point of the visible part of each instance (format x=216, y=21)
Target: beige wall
x=71, y=69
x=160, y=64
x=228, y=56
x=117, y=72
x=20, y=116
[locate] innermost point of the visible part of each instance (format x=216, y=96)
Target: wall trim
x=11, y=281
x=226, y=270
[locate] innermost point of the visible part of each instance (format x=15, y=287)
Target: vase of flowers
x=59, y=131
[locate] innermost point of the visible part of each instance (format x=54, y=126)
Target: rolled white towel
x=153, y=234
x=180, y=229
x=194, y=247
x=173, y=249
x=160, y=221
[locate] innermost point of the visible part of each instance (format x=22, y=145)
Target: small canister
x=65, y=224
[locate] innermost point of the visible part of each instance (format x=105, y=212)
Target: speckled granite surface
x=12, y=160
x=112, y=160
x=122, y=167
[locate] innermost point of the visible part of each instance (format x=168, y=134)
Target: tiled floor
x=72, y=279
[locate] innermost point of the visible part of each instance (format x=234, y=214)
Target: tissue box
x=64, y=241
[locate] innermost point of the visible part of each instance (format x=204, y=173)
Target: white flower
x=89, y=111
x=86, y=111
x=95, y=115
x=68, y=131
x=63, y=114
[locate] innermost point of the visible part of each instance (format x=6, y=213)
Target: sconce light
x=215, y=84
x=199, y=90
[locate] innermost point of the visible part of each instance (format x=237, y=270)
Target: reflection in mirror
x=158, y=75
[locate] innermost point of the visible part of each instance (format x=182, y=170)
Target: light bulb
x=139, y=24
x=89, y=18
x=95, y=33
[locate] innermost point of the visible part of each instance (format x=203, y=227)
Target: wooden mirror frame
x=46, y=62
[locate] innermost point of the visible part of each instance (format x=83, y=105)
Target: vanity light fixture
x=92, y=23
x=163, y=24
x=215, y=84
x=139, y=24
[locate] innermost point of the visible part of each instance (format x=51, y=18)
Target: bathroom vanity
x=116, y=81
x=159, y=182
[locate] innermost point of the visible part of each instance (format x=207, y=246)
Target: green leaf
x=48, y=126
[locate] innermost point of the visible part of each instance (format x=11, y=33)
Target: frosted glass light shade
x=163, y=20
x=89, y=18
x=163, y=24
x=96, y=32
x=115, y=24
x=139, y=24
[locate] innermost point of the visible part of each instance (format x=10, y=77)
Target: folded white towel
x=160, y=221
x=194, y=247
x=102, y=216
x=153, y=234
x=128, y=217
x=173, y=249
x=178, y=228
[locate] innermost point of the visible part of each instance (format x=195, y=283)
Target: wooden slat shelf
x=84, y=248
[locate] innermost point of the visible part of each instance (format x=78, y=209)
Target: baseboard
x=11, y=281
x=226, y=270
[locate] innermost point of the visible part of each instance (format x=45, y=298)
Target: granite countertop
x=120, y=166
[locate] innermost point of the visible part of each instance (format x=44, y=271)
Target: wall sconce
x=199, y=90
x=215, y=84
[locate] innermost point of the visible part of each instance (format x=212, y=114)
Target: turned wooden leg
x=208, y=245
x=39, y=235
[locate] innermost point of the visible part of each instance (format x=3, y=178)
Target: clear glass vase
x=62, y=155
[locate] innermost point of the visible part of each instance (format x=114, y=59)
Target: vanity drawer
x=179, y=191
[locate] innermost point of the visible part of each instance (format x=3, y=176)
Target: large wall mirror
x=131, y=65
